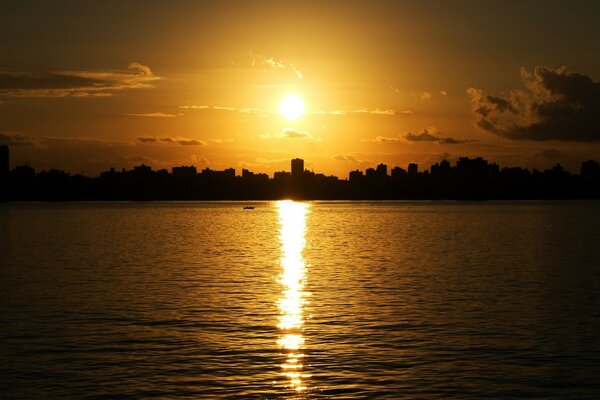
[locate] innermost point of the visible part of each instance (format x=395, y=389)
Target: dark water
x=300, y=300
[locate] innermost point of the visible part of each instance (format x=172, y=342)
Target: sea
x=300, y=300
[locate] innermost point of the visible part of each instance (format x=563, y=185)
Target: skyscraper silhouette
x=297, y=167
x=4, y=164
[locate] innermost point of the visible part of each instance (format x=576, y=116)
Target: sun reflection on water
x=292, y=220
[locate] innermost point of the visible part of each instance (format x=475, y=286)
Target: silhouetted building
x=413, y=169
x=23, y=173
x=472, y=167
x=370, y=172
x=281, y=175
x=184, y=172
x=590, y=168
x=397, y=172
x=355, y=175
x=4, y=162
x=227, y=173
x=297, y=167
x=142, y=170
x=381, y=170
x=443, y=168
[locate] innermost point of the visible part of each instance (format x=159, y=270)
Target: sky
x=88, y=85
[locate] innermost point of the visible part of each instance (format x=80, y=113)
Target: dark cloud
x=432, y=135
x=17, y=139
x=180, y=141
x=191, y=142
x=424, y=136
x=74, y=83
x=146, y=139
x=556, y=104
x=551, y=154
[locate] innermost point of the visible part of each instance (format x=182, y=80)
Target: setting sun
x=291, y=107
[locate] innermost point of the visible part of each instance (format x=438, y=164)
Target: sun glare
x=291, y=107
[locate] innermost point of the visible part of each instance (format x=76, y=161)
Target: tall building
x=4, y=165
x=297, y=167
x=590, y=168
x=381, y=170
x=413, y=168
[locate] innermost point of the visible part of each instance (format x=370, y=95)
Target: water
x=300, y=300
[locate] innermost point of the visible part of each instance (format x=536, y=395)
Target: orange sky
x=88, y=86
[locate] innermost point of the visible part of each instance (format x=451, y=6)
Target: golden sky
x=85, y=86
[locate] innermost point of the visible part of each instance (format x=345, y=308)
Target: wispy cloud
x=551, y=154
x=259, y=60
x=153, y=115
x=169, y=140
x=72, y=83
x=259, y=112
x=194, y=107
x=430, y=134
x=288, y=133
x=253, y=111
x=375, y=111
x=191, y=142
x=18, y=139
x=344, y=157
x=420, y=95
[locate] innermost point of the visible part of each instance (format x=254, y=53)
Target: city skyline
x=468, y=179
x=346, y=85
x=296, y=168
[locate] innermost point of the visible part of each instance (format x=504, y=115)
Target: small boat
x=249, y=208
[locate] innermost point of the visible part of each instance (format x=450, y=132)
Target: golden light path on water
x=292, y=220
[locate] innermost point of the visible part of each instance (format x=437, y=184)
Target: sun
x=291, y=107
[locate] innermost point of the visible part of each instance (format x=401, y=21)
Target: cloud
x=425, y=136
x=141, y=69
x=146, y=139
x=224, y=108
x=191, y=142
x=195, y=107
x=17, y=139
x=375, y=111
x=220, y=141
x=343, y=157
x=387, y=139
x=254, y=111
x=288, y=133
x=153, y=115
x=556, y=104
x=263, y=61
x=295, y=134
x=551, y=154
x=430, y=134
x=421, y=95
x=264, y=113
x=169, y=140
x=69, y=83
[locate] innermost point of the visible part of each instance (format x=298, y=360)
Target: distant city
x=469, y=179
